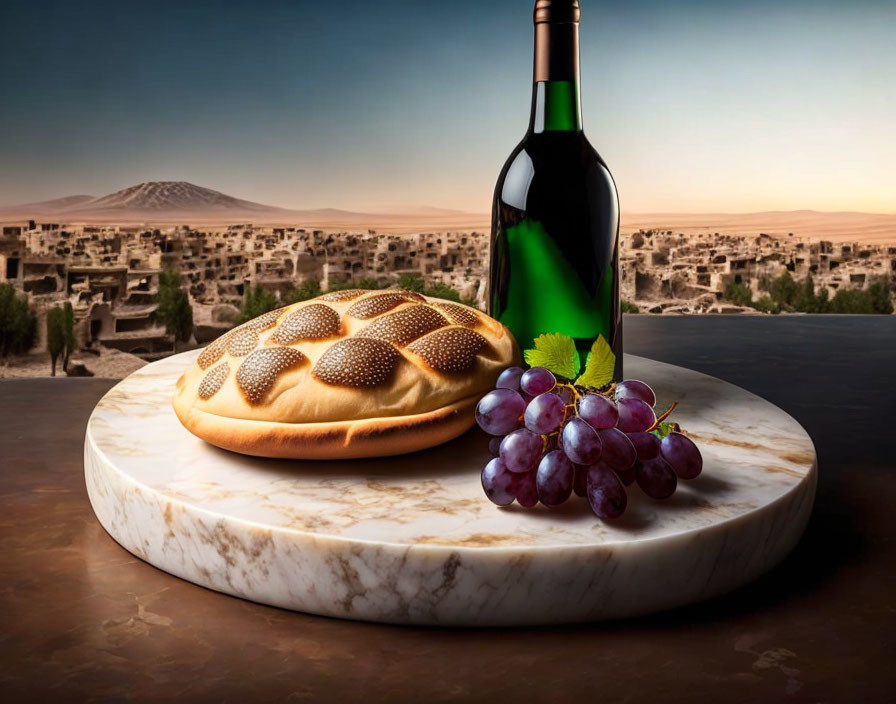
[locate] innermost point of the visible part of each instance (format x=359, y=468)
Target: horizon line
x=411, y=209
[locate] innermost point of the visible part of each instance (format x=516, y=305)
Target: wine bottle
x=555, y=219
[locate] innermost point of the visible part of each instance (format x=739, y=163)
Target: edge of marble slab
x=810, y=476
x=499, y=605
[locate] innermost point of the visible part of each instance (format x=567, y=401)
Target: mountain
x=153, y=200
x=181, y=202
x=154, y=197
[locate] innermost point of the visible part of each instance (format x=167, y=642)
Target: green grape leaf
x=664, y=428
x=555, y=352
x=598, y=366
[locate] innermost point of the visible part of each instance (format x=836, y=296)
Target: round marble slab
x=412, y=539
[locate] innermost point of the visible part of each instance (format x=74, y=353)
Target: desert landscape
x=167, y=202
x=106, y=259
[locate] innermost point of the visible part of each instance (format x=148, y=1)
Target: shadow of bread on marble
x=345, y=375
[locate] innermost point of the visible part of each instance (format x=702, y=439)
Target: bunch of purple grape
x=552, y=439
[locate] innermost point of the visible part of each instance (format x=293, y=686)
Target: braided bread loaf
x=348, y=374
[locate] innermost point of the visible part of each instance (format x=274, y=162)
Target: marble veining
x=412, y=539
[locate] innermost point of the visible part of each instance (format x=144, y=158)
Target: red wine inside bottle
x=555, y=218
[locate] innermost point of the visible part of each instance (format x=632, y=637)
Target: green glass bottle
x=555, y=218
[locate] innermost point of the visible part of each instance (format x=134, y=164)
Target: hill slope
x=48, y=206
x=167, y=197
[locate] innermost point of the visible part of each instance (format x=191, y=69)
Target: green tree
x=68, y=333
x=805, y=299
x=783, y=290
x=18, y=325
x=55, y=335
x=174, y=310
x=257, y=301
x=787, y=294
x=415, y=282
x=302, y=292
x=765, y=304
x=367, y=283
x=873, y=300
x=739, y=294
x=447, y=292
x=850, y=301
x=440, y=290
x=411, y=282
x=879, y=295
x=340, y=285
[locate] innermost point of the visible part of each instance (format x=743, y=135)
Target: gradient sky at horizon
x=696, y=106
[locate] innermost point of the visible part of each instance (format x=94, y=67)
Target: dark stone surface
x=83, y=620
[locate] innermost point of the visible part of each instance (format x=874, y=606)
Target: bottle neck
x=556, y=103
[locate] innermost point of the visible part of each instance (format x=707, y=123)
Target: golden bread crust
x=369, y=437
x=389, y=378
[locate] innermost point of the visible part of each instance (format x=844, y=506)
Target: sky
x=695, y=105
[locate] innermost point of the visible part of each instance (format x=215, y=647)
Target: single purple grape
x=525, y=488
x=656, y=478
x=521, y=450
x=598, y=411
x=497, y=483
x=499, y=411
x=579, y=480
x=647, y=445
x=537, y=380
x=545, y=414
x=606, y=495
x=634, y=415
x=510, y=379
x=618, y=451
x=494, y=444
x=581, y=443
x=553, y=478
x=632, y=388
x=682, y=455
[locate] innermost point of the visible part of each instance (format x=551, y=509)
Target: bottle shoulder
x=554, y=162
x=547, y=146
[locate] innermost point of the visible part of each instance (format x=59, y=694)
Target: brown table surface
x=83, y=620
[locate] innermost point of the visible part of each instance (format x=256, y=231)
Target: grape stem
x=663, y=417
x=571, y=387
x=547, y=441
x=580, y=391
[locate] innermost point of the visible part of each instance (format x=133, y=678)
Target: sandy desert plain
x=846, y=226
x=167, y=202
